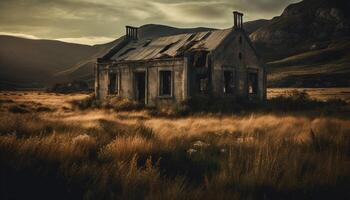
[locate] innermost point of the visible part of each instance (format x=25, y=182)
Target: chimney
x=131, y=32
x=238, y=20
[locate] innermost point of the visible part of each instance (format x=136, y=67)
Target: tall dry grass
x=102, y=154
x=249, y=157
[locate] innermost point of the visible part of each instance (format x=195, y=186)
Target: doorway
x=140, y=86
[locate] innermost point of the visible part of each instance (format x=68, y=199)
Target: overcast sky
x=99, y=21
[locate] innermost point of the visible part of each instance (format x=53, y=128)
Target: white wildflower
x=200, y=144
x=191, y=151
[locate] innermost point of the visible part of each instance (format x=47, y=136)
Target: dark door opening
x=113, y=84
x=229, y=82
x=140, y=89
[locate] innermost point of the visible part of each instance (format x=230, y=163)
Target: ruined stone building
x=170, y=69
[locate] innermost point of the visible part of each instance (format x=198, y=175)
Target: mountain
x=31, y=63
x=252, y=26
x=302, y=26
x=307, y=46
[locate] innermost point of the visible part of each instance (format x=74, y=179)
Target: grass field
x=51, y=150
x=316, y=93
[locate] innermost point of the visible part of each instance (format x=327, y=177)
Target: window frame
x=234, y=80
x=116, y=74
x=200, y=77
x=160, y=95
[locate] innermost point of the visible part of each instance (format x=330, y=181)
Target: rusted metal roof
x=170, y=46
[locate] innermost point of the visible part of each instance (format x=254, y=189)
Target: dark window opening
x=167, y=47
x=191, y=37
x=229, y=82
x=147, y=43
x=206, y=36
x=113, y=83
x=240, y=56
x=240, y=39
x=252, y=83
x=140, y=89
x=165, y=83
x=202, y=81
x=200, y=59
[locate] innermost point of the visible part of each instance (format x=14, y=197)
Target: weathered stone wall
x=227, y=57
x=102, y=85
x=151, y=68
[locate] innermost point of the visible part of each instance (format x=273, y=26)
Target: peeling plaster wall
x=102, y=81
x=226, y=57
x=151, y=68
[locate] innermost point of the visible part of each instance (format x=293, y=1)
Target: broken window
x=252, y=83
x=206, y=36
x=147, y=43
x=113, y=83
x=200, y=59
x=165, y=83
x=191, y=37
x=167, y=47
x=202, y=81
x=240, y=56
x=229, y=82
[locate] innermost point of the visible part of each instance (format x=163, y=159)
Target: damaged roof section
x=169, y=46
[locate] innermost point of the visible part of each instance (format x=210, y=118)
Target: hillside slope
x=32, y=63
x=302, y=26
x=307, y=45
x=328, y=67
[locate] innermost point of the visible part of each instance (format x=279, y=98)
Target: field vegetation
x=55, y=146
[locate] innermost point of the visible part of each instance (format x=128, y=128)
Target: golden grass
x=316, y=93
x=100, y=154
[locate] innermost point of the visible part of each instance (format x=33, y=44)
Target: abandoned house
x=170, y=69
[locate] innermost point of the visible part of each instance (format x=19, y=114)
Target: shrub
x=216, y=105
x=294, y=100
x=18, y=109
x=75, y=86
x=88, y=102
x=43, y=109
x=121, y=104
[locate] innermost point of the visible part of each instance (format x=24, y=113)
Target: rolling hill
x=327, y=67
x=32, y=63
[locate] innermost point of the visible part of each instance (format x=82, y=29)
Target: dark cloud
x=107, y=18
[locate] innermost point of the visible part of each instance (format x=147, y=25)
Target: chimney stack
x=238, y=20
x=131, y=32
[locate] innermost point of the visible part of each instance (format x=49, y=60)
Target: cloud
x=21, y=35
x=106, y=19
x=88, y=40
x=192, y=12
